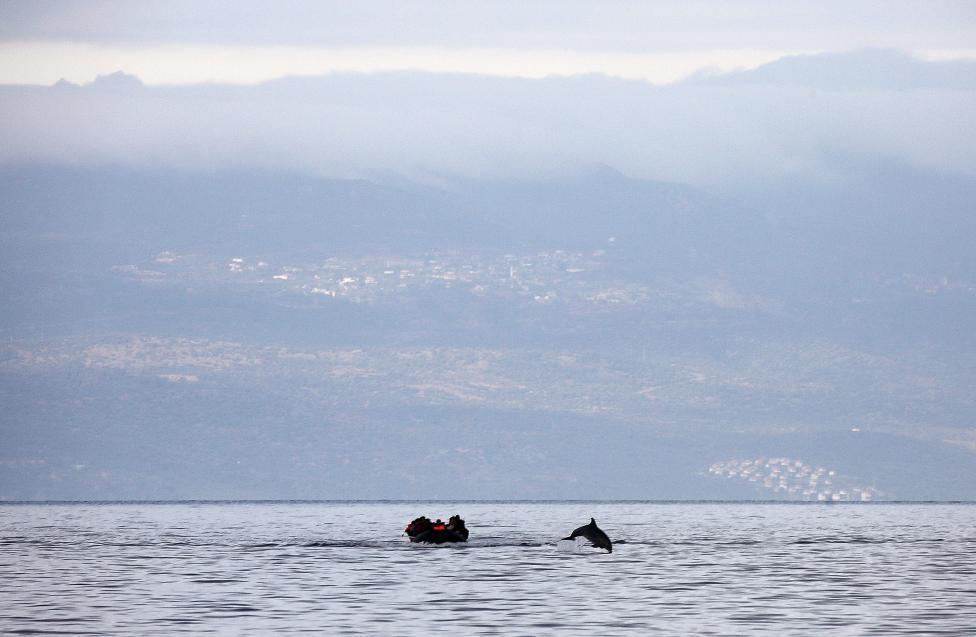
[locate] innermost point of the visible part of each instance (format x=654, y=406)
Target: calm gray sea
x=346, y=568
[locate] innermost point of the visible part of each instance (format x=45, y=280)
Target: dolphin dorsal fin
x=592, y=521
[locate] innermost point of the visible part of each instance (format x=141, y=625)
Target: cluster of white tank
x=792, y=479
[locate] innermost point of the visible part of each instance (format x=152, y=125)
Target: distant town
x=540, y=277
x=791, y=479
x=581, y=279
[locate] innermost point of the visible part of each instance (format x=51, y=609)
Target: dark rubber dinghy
x=427, y=532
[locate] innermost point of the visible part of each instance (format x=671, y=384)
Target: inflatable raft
x=427, y=532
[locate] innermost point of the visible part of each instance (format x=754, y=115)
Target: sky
x=246, y=42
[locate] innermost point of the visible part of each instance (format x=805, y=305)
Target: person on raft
x=418, y=526
x=456, y=524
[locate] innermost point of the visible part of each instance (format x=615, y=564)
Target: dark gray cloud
x=572, y=24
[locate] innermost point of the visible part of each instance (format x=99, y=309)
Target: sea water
x=347, y=568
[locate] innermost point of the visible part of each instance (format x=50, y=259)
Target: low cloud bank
x=744, y=131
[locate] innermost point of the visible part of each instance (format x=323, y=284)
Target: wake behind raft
x=423, y=530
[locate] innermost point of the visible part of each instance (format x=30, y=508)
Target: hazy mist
x=747, y=129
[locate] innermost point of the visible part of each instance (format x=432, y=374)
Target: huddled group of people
x=422, y=525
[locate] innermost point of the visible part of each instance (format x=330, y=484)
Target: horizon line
x=476, y=501
x=45, y=63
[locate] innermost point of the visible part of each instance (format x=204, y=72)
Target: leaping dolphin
x=594, y=534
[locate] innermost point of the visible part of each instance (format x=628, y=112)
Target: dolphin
x=594, y=534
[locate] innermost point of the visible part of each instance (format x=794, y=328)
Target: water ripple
x=337, y=568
